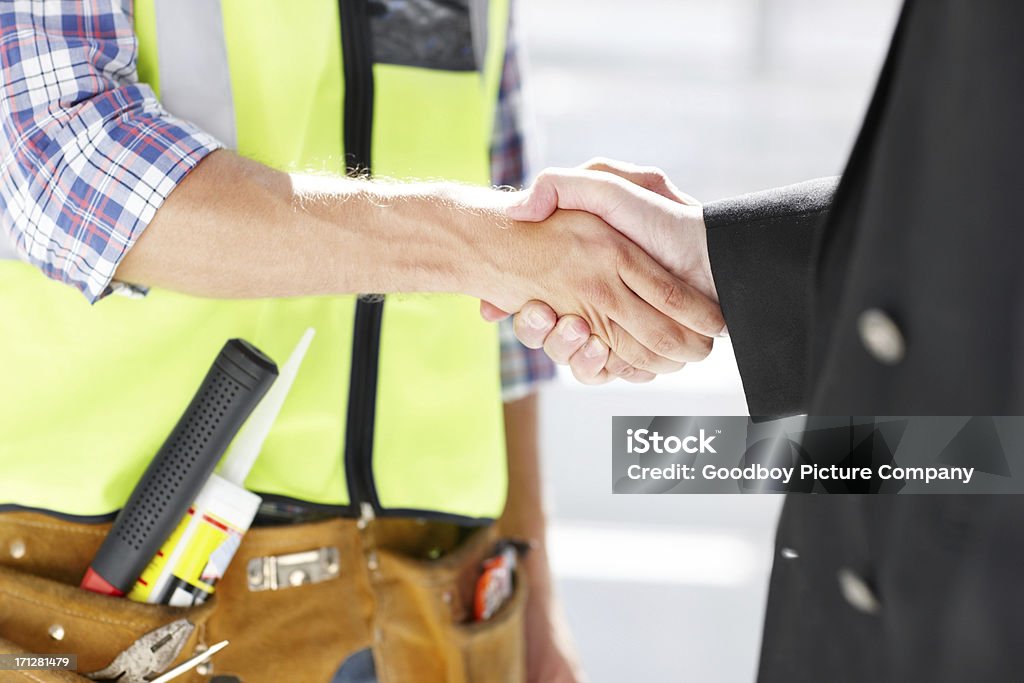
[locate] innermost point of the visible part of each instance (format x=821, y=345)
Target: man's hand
x=576, y=263
x=645, y=207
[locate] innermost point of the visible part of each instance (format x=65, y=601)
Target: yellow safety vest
x=90, y=392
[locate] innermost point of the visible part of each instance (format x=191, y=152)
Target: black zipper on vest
x=357, y=56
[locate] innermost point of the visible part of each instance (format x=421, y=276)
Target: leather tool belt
x=296, y=603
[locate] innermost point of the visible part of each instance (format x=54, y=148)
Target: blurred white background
x=727, y=96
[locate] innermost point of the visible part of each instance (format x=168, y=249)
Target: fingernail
x=536, y=320
x=724, y=332
x=574, y=330
x=594, y=348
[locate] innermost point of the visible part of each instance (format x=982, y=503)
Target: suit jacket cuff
x=761, y=247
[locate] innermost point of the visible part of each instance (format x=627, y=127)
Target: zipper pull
x=366, y=515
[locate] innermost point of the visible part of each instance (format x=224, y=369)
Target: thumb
x=617, y=201
x=537, y=203
x=492, y=313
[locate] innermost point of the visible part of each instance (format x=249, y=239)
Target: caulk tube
x=235, y=383
x=197, y=554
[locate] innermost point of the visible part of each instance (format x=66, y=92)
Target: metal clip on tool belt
x=275, y=572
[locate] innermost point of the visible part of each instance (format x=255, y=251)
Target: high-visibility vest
x=88, y=393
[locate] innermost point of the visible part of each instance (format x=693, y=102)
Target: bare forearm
x=550, y=653
x=524, y=510
x=236, y=228
x=524, y=517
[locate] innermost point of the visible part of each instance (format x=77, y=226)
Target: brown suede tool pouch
x=423, y=609
x=42, y=610
x=45, y=616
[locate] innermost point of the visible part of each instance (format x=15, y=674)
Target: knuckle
x=626, y=372
x=615, y=365
x=668, y=343
x=622, y=252
x=641, y=359
x=543, y=178
x=673, y=296
x=547, y=176
x=652, y=177
x=613, y=336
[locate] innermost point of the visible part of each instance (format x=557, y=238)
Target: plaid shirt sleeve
x=87, y=153
x=523, y=370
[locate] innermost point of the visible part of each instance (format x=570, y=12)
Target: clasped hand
x=659, y=311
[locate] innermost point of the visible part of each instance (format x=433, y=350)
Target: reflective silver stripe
x=479, y=21
x=195, y=82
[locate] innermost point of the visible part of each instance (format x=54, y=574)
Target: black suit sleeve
x=761, y=247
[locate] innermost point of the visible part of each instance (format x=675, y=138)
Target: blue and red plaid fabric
x=88, y=154
x=508, y=153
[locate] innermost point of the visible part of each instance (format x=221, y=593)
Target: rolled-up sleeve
x=87, y=154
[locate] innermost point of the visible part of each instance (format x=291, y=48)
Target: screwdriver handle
x=235, y=383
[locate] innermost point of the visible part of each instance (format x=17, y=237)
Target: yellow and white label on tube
x=199, y=551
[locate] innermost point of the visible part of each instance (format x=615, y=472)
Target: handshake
x=605, y=266
x=620, y=283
